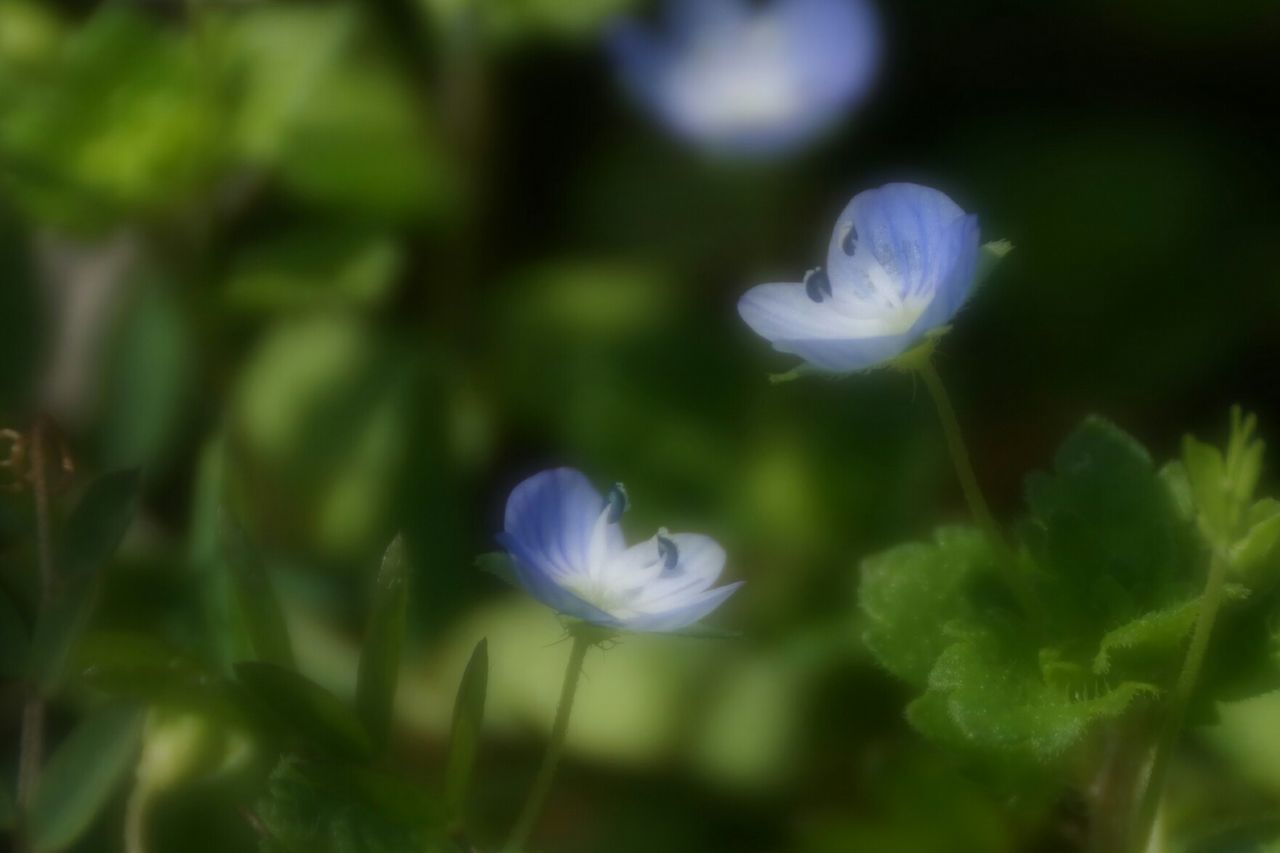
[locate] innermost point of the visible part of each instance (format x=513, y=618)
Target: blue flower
x=900, y=264
x=751, y=79
x=568, y=552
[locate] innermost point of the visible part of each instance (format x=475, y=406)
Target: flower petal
x=850, y=354
x=545, y=588
x=907, y=229
x=689, y=611
x=701, y=559
x=551, y=517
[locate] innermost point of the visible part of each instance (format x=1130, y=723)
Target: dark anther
x=617, y=501
x=849, y=244
x=668, y=553
x=816, y=284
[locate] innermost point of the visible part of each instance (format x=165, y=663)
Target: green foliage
x=507, y=20
x=297, y=709
x=380, y=657
x=321, y=807
x=1110, y=556
x=81, y=776
x=258, y=605
x=91, y=536
x=468, y=715
x=125, y=122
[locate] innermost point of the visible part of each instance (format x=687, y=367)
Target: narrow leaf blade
x=81, y=777
x=468, y=716
x=380, y=658
x=255, y=596
x=303, y=709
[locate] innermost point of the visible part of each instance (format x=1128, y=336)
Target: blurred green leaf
x=379, y=670
x=1159, y=631
x=259, y=606
x=498, y=564
x=304, y=709
x=521, y=19
x=915, y=598
x=313, y=268
x=468, y=716
x=1255, y=554
x=313, y=807
x=125, y=123
x=81, y=776
x=92, y=534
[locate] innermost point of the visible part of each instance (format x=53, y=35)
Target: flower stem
x=547, y=771
x=1210, y=603
x=31, y=735
x=972, y=491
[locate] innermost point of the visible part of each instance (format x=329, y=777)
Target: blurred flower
x=753, y=81
x=568, y=552
x=901, y=262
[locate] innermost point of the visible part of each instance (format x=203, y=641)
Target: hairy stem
x=1210, y=602
x=1014, y=576
x=547, y=771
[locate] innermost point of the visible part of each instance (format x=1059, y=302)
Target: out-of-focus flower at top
x=751, y=79
x=901, y=263
x=568, y=552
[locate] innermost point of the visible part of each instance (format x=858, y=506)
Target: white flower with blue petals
x=751, y=78
x=901, y=263
x=568, y=552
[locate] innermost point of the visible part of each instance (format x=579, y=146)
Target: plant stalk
x=1210, y=603
x=978, y=506
x=546, y=772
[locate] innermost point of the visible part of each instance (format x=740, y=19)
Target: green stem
x=972, y=491
x=542, y=782
x=31, y=737
x=1210, y=602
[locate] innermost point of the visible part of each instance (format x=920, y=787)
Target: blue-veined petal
x=687, y=613
x=554, y=517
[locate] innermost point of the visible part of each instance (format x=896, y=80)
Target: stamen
x=816, y=284
x=668, y=553
x=617, y=502
x=849, y=244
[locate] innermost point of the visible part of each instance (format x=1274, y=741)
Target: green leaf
x=304, y=709
x=1106, y=534
x=1158, y=632
x=1256, y=551
x=468, y=714
x=1207, y=474
x=92, y=534
x=380, y=658
x=336, y=808
x=500, y=566
x=916, y=598
x=993, y=698
x=81, y=776
x=255, y=596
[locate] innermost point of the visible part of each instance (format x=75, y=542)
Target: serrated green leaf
x=1207, y=474
x=304, y=709
x=81, y=776
x=468, y=715
x=914, y=596
x=1158, y=632
x=1174, y=477
x=255, y=596
x=1257, y=550
x=92, y=534
x=1106, y=534
x=380, y=658
x=499, y=565
x=999, y=703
